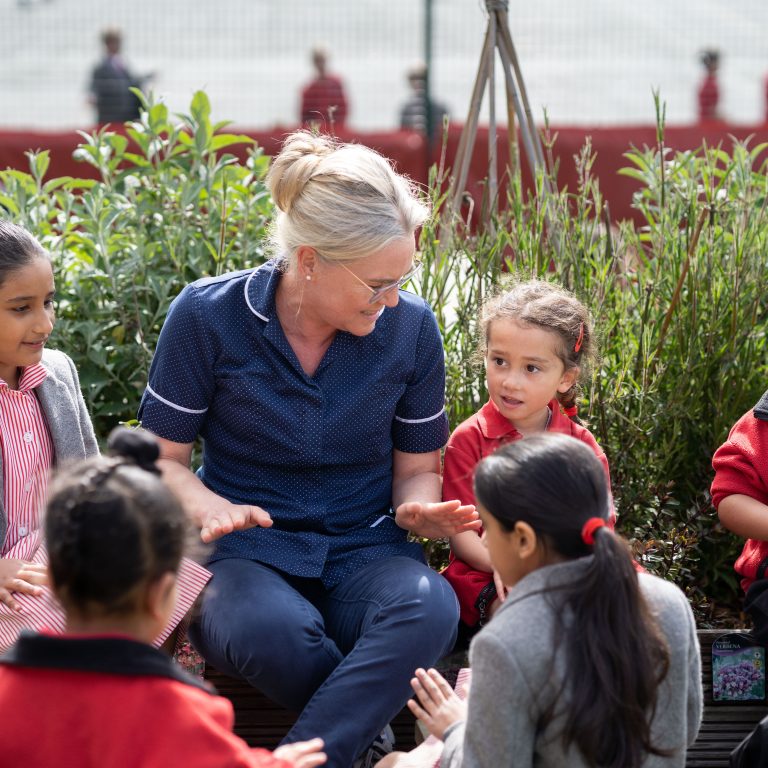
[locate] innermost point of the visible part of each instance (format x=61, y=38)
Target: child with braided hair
x=101, y=694
x=536, y=342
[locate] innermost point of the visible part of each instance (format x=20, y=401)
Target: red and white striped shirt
x=27, y=459
x=28, y=456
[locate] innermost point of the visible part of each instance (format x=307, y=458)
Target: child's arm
x=469, y=548
x=744, y=516
x=740, y=488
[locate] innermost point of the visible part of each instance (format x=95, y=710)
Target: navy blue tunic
x=313, y=451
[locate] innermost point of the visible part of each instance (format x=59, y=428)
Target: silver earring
x=309, y=277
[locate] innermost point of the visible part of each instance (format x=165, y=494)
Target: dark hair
x=554, y=309
x=112, y=526
x=619, y=656
x=17, y=249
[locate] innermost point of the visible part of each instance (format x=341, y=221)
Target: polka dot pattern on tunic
x=315, y=452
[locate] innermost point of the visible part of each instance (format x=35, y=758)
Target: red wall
x=408, y=151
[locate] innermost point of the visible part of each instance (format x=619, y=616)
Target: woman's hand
x=20, y=576
x=303, y=754
x=226, y=517
x=438, y=706
x=437, y=519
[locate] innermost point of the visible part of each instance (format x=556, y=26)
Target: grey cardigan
x=515, y=679
x=68, y=421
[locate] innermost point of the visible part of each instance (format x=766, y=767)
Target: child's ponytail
x=111, y=526
x=617, y=660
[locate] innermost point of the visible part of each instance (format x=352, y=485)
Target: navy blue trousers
x=342, y=657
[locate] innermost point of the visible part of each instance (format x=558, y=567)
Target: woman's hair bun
x=136, y=445
x=295, y=166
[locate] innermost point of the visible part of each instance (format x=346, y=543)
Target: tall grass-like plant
x=678, y=303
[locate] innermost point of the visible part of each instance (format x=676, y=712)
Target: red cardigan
x=741, y=466
x=111, y=702
x=474, y=439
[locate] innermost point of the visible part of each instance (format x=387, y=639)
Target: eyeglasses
x=377, y=293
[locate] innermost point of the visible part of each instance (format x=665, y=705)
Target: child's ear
x=570, y=377
x=160, y=596
x=526, y=539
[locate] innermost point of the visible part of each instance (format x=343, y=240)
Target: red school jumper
x=741, y=466
x=474, y=439
x=112, y=702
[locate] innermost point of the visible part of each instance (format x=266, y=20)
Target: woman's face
x=341, y=293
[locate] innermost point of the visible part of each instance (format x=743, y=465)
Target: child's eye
x=50, y=303
x=498, y=361
x=532, y=368
x=21, y=309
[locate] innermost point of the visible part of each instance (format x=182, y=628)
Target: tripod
x=497, y=38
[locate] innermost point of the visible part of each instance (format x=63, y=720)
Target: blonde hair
x=344, y=200
x=554, y=309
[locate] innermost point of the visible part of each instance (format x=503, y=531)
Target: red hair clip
x=589, y=528
x=580, y=340
x=571, y=411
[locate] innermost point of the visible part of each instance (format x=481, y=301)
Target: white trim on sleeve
x=421, y=421
x=173, y=405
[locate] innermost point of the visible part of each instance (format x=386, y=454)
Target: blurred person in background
x=709, y=90
x=323, y=102
x=414, y=115
x=111, y=81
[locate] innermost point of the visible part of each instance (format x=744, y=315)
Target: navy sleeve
x=421, y=424
x=181, y=378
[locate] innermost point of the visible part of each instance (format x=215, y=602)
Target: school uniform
x=332, y=602
x=112, y=702
x=45, y=423
x=474, y=439
x=741, y=467
x=517, y=679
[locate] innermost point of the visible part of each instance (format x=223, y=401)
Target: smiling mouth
x=40, y=343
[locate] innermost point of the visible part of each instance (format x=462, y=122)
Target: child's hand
x=437, y=520
x=438, y=706
x=303, y=754
x=20, y=576
x=501, y=587
x=227, y=517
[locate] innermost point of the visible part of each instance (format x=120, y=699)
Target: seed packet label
x=738, y=669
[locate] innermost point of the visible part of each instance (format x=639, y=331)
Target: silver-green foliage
x=170, y=206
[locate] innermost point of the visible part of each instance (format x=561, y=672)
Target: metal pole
x=429, y=117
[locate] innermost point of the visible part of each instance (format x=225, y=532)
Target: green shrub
x=169, y=208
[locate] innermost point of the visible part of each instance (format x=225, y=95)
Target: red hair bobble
x=589, y=528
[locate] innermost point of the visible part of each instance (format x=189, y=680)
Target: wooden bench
x=262, y=723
